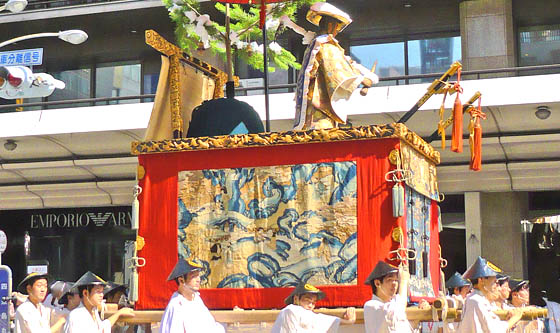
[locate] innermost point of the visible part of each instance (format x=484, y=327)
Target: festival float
x=264, y=210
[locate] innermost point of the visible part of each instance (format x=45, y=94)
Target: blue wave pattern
x=270, y=226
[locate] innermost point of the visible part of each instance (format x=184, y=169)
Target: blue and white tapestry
x=418, y=232
x=270, y=226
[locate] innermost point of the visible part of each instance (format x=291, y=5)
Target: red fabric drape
x=158, y=217
x=262, y=3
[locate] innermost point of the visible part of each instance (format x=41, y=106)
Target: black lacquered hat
x=184, y=267
x=113, y=287
x=516, y=285
x=89, y=279
x=29, y=280
x=304, y=288
x=456, y=281
x=481, y=268
x=381, y=269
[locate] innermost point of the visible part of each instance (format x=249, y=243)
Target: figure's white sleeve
x=366, y=73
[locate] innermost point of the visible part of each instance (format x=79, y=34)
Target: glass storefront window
x=539, y=45
x=423, y=56
x=389, y=56
x=433, y=55
x=118, y=81
x=77, y=87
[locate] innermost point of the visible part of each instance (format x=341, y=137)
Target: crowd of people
x=480, y=292
x=69, y=307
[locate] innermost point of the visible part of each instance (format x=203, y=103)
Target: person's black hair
x=474, y=281
x=373, y=286
x=81, y=289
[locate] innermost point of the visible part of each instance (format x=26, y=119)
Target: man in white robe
x=501, y=302
x=458, y=288
x=69, y=300
x=478, y=311
x=299, y=317
x=519, y=298
x=386, y=311
x=85, y=318
x=186, y=312
x=32, y=316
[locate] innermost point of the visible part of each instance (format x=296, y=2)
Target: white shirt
x=296, y=319
x=553, y=316
x=33, y=319
x=381, y=317
x=479, y=316
x=184, y=316
x=80, y=321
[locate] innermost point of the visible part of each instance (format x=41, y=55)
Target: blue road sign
x=5, y=294
x=29, y=57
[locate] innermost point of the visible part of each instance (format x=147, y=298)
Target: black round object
x=224, y=116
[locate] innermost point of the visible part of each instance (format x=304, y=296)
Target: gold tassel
x=441, y=128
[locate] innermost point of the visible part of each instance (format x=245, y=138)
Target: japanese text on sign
x=29, y=57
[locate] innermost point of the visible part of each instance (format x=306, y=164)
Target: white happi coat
x=381, y=317
x=553, y=316
x=479, y=316
x=296, y=319
x=184, y=316
x=80, y=321
x=33, y=319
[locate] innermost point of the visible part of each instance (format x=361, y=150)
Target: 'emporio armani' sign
x=100, y=218
x=80, y=219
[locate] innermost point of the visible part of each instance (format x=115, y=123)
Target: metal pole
x=22, y=38
x=230, y=86
x=266, y=101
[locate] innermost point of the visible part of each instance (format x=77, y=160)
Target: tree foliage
x=195, y=30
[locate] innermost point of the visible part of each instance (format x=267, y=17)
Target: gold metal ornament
x=140, y=172
x=394, y=156
x=397, y=234
x=140, y=242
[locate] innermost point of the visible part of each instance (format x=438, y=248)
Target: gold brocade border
x=395, y=130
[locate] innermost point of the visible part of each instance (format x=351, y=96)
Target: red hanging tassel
x=457, y=133
x=476, y=153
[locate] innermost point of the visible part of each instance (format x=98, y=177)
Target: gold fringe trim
x=395, y=130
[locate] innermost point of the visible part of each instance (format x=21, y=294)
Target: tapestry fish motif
x=270, y=226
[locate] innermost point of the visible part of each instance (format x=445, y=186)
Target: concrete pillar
x=493, y=229
x=487, y=35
